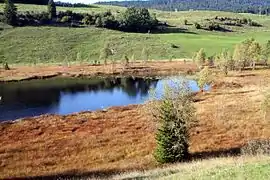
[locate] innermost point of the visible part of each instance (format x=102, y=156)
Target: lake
x=69, y=95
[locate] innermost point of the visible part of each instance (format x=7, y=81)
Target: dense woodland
x=250, y=6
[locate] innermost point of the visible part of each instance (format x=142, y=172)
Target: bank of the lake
x=138, y=69
x=122, y=138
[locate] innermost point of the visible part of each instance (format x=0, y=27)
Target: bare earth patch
x=18, y=73
x=122, y=138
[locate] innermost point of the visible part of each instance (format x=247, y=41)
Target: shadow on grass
x=232, y=152
x=169, y=30
x=101, y=174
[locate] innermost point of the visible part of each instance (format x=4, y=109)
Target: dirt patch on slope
x=19, y=73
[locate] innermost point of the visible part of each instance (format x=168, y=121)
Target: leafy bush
x=174, y=112
x=137, y=20
x=197, y=25
x=205, y=77
x=265, y=106
x=256, y=147
x=174, y=46
x=200, y=57
x=6, y=66
x=66, y=19
x=213, y=26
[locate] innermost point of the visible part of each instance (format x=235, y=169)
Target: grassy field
x=249, y=168
x=61, y=44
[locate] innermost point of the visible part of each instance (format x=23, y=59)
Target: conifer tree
x=10, y=13
x=175, y=114
x=51, y=9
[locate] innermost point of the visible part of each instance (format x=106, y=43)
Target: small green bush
x=175, y=115
x=256, y=147
x=205, y=77
x=6, y=66
x=197, y=25
x=66, y=19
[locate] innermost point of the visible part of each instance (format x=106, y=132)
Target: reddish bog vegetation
x=122, y=138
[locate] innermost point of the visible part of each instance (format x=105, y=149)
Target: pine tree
x=51, y=9
x=175, y=114
x=10, y=12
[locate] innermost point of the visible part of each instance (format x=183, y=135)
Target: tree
x=186, y=22
x=10, y=13
x=265, y=106
x=98, y=22
x=205, y=77
x=145, y=55
x=174, y=112
x=105, y=52
x=238, y=57
x=255, y=53
x=266, y=52
x=137, y=20
x=200, y=57
x=51, y=9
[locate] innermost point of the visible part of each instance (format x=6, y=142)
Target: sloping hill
x=251, y=6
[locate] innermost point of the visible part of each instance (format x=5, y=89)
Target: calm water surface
x=66, y=96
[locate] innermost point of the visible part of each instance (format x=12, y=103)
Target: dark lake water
x=66, y=96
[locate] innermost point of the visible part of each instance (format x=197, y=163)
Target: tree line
x=247, y=6
x=131, y=20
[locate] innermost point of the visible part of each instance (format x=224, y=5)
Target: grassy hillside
x=58, y=44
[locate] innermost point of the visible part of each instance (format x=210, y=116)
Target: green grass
x=28, y=45
x=248, y=168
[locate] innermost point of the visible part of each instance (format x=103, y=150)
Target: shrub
x=205, y=77
x=238, y=57
x=98, y=22
x=197, y=25
x=105, y=52
x=51, y=9
x=256, y=147
x=10, y=12
x=145, y=55
x=174, y=112
x=200, y=57
x=125, y=61
x=265, y=106
x=213, y=26
x=137, y=20
x=174, y=46
x=66, y=19
x=6, y=67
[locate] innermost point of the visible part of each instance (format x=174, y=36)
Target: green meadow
x=44, y=44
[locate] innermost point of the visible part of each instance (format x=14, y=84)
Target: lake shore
x=122, y=138
x=22, y=73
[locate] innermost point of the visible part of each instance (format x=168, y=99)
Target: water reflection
x=65, y=96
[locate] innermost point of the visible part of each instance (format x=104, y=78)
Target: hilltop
x=250, y=6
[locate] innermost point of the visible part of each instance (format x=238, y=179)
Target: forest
x=245, y=6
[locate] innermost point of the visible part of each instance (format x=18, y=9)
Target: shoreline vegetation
x=90, y=147
x=231, y=120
